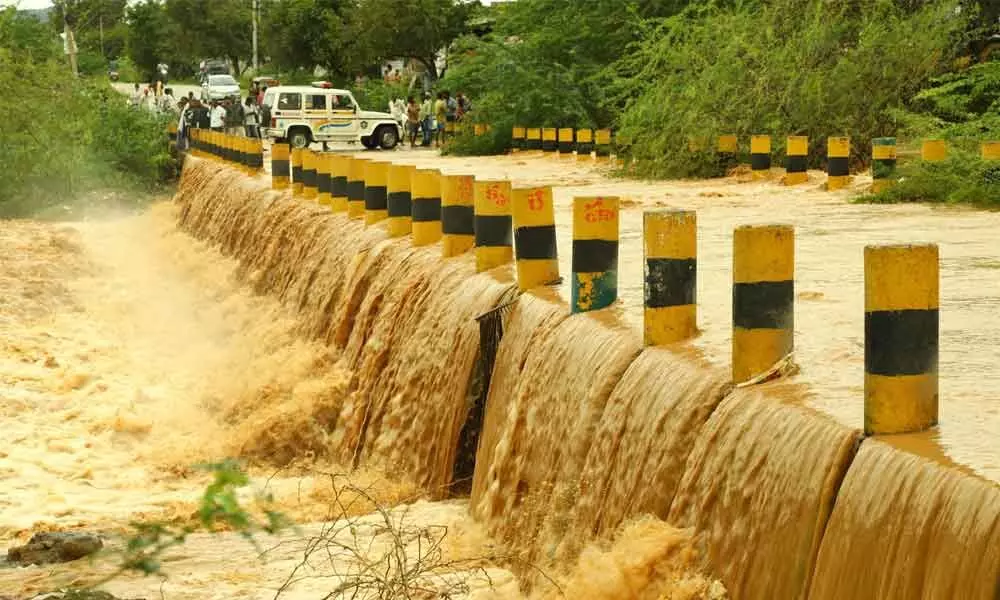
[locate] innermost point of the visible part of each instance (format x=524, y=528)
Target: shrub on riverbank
x=962, y=179
x=64, y=137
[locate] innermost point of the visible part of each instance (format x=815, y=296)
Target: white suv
x=303, y=114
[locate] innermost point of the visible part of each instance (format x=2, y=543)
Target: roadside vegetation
x=66, y=142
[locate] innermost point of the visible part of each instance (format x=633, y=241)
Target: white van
x=303, y=114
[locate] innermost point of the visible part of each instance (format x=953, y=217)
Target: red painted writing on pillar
x=495, y=194
x=465, y=188
x=536, y=199
x=597, y=212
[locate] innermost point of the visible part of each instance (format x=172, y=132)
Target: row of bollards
x=503, y=224
x=245, y=153
x=585, y=144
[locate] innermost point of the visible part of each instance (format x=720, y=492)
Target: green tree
x=148, y=41
x=301, y=34
x=414, y=29
x=219, y=29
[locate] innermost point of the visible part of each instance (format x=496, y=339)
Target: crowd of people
x=428, y=120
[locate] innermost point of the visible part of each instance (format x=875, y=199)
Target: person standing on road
x=136, y=98
x=427, y=119
x=441, y=115
x=251, y=118
x=218, y=117
x=412, y=119
x=167, y=104
x=234, y=116
x=452, y=107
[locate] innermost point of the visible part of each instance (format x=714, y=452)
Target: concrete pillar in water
x=309, y=190
x=760, y=156
x=426, y=194
x=457, y=215
x=296, y=171
x=726, y=147
x=671, y=255
x=595, y=253
x=990, y=150
x=933, y=150
x=356, y=188
x=763, y=298
x=566, y=142
x=838, y=163
x=492, y=224
x=550, y=139
x=242, y=153
x=796, y=160
x=584, y=144
x=517, y=138
x=602, y=144
x=376, y=202
x=257, y=147
x=535, y=237
x=901, y=338
x=324, y=166
x=883, y=163
x=533, y=139
x=340, y=168
x=399, y=203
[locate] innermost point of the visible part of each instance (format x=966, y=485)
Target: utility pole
x=255, y=18
x=100, y=24
x=69, y=19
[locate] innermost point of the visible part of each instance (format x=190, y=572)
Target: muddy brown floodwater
x=831, y=233
x=132, y=350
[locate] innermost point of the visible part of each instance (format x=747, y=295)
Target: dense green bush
x=61, y=138
x=785, y=67
x=963, y=178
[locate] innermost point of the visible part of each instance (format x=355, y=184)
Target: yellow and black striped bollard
x=426, y=195
x=763, y=298
x=492, y=224
x=457, y=215
x=258, y=156
x=478, y=129
x=602, y=144
x=376, y=199
x=726, y=148
x=246, y=155
x=309, y=189
x=594, y=284
x=796, y=160
x=671, y=310
x=324, y=164
x=550, y=139
x=990, y=150
x=399, y=203
x=584, y=144
x=883, y=163
x=901, y=338
x=838, y=163
x=517, y=138
x=933, y=151
x=760, y=156
x=535, y=237
x=566, y=141
x=339, y=170
x=356, y=188
x=296, y=171
x=533, y=139
x=172, y=138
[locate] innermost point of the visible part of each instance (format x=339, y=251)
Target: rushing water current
x=631, y=471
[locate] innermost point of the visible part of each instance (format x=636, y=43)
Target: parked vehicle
x=218, y=87
x=306, y=114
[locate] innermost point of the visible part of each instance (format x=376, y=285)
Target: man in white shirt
x=218, y=117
